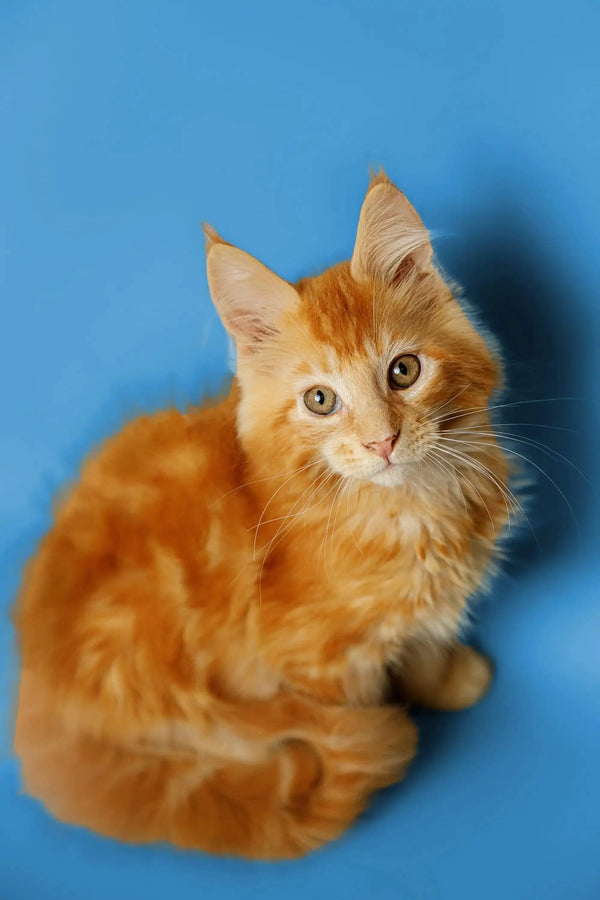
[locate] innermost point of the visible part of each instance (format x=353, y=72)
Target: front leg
x=447, y=677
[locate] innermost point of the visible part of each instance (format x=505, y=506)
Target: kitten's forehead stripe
x=355, y=319
x=337, y=310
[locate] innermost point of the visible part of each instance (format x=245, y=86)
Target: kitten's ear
x=249, y=298
x=391, y=237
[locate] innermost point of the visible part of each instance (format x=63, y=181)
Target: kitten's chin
x=391, y=476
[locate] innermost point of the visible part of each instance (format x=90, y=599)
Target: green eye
x=403, y=371
x=321, y=400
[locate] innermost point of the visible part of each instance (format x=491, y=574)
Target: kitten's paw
x=466, y=680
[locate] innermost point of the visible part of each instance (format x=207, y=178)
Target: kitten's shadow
x=523, y=293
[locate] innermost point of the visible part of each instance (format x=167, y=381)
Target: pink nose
x=383, y=448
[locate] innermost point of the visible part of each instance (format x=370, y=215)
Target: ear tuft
x=377, y=177
x=211, y=236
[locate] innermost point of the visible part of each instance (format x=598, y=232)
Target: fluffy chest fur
x=373, y=571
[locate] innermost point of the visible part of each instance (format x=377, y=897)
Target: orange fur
x=209, y=630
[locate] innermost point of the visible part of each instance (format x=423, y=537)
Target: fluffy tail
x=312, y=770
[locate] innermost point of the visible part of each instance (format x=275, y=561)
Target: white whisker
x=503, y=489
x=474, y=488
x=511, y=436
x=476, y=464
x=476, y=409
x=323, y=478
x=454, y=396
x=272, y=497
x=539, y=469
x=323, y=547
x=349, y=481
x=256, y=481
x=448, y=470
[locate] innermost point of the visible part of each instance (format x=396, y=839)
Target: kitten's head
x=360, y=367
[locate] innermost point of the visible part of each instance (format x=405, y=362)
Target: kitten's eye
x=403, y=371
x=321, y=400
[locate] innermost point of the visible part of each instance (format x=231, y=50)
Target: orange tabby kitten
x=213, y=631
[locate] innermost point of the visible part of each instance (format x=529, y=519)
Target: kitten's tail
x=324, y=764
x=313, y=770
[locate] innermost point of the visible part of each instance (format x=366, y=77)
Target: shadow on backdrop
x=522, y=291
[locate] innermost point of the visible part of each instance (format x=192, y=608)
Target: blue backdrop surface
x=123, y=125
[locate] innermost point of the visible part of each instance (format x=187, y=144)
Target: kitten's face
x=360, y=368
x=364, y=378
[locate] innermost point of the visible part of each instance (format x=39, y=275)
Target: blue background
x=123, y=125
